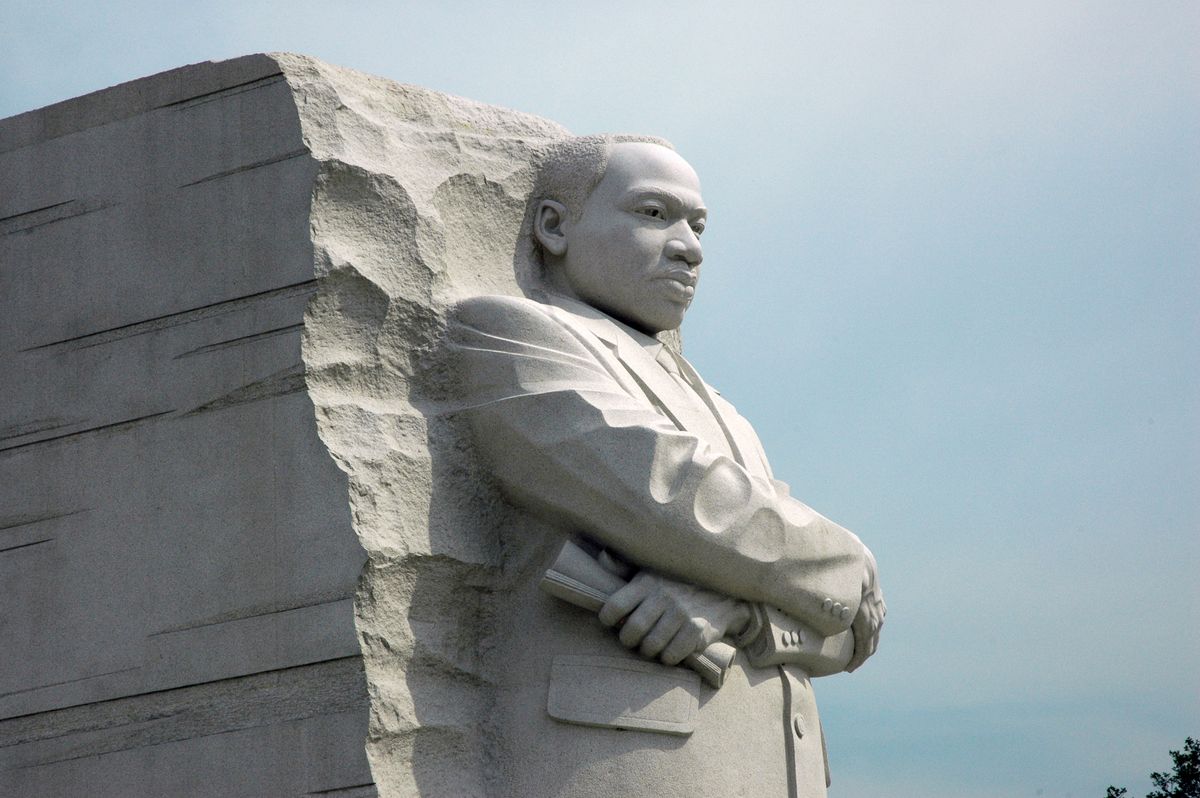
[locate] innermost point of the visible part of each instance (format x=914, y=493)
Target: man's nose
x=686, y=247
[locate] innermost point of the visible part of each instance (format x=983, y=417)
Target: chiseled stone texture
x=418, y=203
x=232, y=546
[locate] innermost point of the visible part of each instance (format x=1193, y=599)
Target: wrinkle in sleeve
x=517, y=359
x=565, y=440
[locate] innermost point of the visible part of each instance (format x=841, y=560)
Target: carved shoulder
x=495, y=309
x=514, y=319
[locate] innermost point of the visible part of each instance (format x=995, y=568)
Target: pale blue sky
x=952, y=275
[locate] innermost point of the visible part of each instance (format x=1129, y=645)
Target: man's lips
x=681, y=284
x=686, y=278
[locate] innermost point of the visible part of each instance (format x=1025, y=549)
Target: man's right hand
x=668, y=620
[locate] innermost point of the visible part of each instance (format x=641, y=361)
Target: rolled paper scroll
x=577, y=578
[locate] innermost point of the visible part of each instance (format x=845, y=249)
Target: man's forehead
x=642, y=164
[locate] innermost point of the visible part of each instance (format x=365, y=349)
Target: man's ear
x=548, y=227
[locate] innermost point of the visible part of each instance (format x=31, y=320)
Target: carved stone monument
x=324, y=402
x=618, y=454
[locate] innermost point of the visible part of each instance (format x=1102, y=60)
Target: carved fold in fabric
x=571, y=435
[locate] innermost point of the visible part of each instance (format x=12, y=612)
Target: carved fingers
x=621, y=603
x=696, y=635
x=646, y=626
x=866, y=626
x=668, y=620
x=871, y=612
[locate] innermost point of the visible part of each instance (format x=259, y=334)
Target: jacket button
x=827, y=604
x=798, y=725
x=845, y=613
x=837, y=608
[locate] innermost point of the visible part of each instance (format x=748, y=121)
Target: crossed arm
x=568, y=441
x=667, y=620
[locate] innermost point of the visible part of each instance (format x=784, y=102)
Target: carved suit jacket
x=588, y=433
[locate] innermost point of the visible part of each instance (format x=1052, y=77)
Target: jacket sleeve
x=565, y=440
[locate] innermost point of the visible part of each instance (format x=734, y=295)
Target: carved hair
x=568, y=171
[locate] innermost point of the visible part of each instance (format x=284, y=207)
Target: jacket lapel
x=745, y=440
x=686, y=409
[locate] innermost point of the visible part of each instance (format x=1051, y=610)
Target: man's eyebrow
x=655, y=191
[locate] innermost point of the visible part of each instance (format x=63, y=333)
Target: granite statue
x=644, y=495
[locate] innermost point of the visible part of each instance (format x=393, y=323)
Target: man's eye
x=653, y=213
x=698, y=229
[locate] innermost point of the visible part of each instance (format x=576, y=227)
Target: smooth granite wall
x=237, y=558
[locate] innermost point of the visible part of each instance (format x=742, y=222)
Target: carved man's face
x=634, y=252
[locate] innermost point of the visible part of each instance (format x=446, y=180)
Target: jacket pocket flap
x=619, y=693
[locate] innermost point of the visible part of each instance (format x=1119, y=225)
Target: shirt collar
x=598, y=319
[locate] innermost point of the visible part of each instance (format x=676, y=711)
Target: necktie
x=666, y=359
x=693, y=386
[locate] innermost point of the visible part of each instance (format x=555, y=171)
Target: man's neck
x=583, y=308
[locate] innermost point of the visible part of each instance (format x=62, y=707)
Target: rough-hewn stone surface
x=418, y=203
x=216, y=288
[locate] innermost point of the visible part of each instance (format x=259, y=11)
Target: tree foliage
x=1182, y=782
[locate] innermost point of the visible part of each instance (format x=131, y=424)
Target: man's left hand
x=871, y=612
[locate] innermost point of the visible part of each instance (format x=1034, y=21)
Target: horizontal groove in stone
x=323, y=688
x=242, y=340
x=227, y=91
x=258, y=612
x=286, y=156
x=116, y=426
x=59, y=212
x=6, y=549
x=18, y=521
x=19, y=214
x=99, y=337
x=131, y=99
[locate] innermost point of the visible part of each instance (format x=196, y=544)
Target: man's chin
x=652, y=318
x=663, y=322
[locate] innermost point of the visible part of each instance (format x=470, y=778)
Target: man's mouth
x=681, y=284
x=687, y=278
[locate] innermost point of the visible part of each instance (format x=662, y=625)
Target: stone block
x=236, y=560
